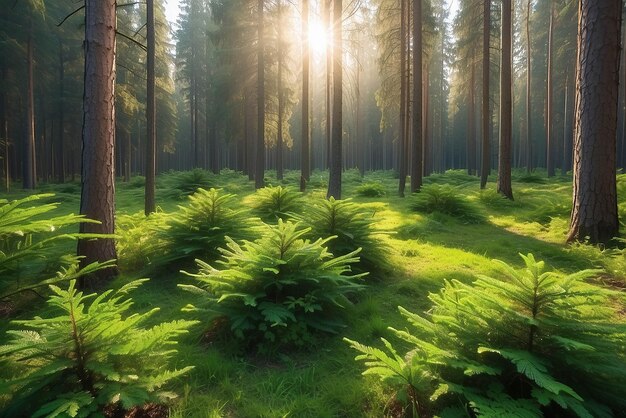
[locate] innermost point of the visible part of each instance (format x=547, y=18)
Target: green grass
x=426, y=248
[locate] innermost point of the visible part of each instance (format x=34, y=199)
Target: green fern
x=87, y=356
x=534, y=343
x=30, y=241
x=445, y=199
x=353, y=228
x=279, y=288
x=272, y=203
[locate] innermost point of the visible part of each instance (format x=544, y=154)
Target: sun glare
x=318, y=38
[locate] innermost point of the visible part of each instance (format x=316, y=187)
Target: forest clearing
x=277, y=208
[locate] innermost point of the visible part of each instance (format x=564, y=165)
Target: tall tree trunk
x=485, y=164
x=98, y=178
x=360, y=142
x=567, y=138
x=549, y=135
x=529, y=126
x=29, y=175
x=129, y=152
x=427, y=157
x=416, y=111
x=594, y=209
x=4, y=130
x=506, y=129
x=61, y=137
x=329, y=76
x=403, y=158
x=259, y=166
x=150, y=205
x=334, y=180
x=305, y=164
x=281, y=98
x=471, y=124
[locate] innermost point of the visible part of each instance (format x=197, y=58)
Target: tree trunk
x=416, y=111
x=471, y=125
x=98, y=186
x=567, y=138
x=427, y=156
x=504, y=157
x=402, y=167
x=529, y=134
x=259, y=166
x=329, y=61
x=549, y=135
x=594, y=209
x=150, y=205
x=334, y=180
x=61, y=138
x=485, y=164
x=305, y=164
x=29, y=176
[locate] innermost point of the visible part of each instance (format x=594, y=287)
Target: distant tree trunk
x=259, y=166
x=416, y=114
x=305, y=164
x=427, y=160
x=98, y=156
x=334, y=180
x=150, y=205
x=567, y=131
x=529, y=134
x=129, y=152
x=281, y=98
x=360, y=142
x=504, y=157
x=403, y=159
x=61, y=137
x=549, y=135
x=29, y=175
x=4, y=130
x=471, y=124
x=594, y=209
x=329, y=61
x=485, y=163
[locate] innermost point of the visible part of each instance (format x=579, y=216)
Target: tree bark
x=329, y=77
x=259, y=166
x=61, y=138
x=402, y=166
x=485, y=164
x=334, y=180
x=504, y=158
x=305, y=163
x=549, y=135
x=150, y=205
x=29, y=174
x=416, y=111
x=594, y=209
x=98, y=186
x=529, y=134
x=471, y=125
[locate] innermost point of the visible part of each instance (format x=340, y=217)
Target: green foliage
x=198, y=229
x=529, y=178
x=271, y=203
x=277, y=289
x=371, y=190
x=30, y=238
x=353, y=228
x=195, y=230
x=494, y=200
x=448, y=201
x=86, y=356
x=184, y=183
x=548, y=209
x=535, y=343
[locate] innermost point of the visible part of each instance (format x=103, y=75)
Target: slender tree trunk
x=594, y=209
x=4, y=133
x=403, y=108
x=506, y=129
x=305, y=164
x=129, y=152
x=279, y=136
x=471, y=125
x=360, y=142
x=329, y=61
x=150, y=205
x=427, y=160
x=549, y=135
x=61, y=138
x=334, y=180
x=485, y=164
x=259, y=166
x=416, y=113
x=98, y=155
x=529, y=134
x=622, y=147
x=29, y=176
x=567, y=138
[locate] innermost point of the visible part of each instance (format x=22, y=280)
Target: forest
x=312, y=208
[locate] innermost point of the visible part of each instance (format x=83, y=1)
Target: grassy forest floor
x=426, y=249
